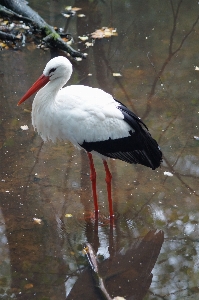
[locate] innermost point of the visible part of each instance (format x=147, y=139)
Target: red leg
x=108, y=182
x=93, y=180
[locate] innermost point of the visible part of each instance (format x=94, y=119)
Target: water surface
x=156, y=52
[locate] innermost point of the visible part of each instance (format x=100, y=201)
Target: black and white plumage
x=91, y=119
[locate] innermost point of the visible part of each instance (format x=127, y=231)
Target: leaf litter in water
x=73, y=8
x=117, y=74
x=70, y=11
x=168, y=174
x=104, y=32
x=83, y=38
x=24, y=127
x=68, y=215
x=37, y=221
x=88, y=44
x=81, y=15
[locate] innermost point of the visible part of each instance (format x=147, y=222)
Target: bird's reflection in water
x=126, y=273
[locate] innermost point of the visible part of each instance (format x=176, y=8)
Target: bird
x=92, y=120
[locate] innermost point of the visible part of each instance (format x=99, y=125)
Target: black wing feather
x=138, y=148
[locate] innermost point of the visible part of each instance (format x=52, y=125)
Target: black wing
x=138, y=148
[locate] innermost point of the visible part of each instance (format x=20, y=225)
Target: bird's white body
x=77, y=113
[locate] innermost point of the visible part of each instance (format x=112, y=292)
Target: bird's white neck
x=49, y=92
x=43, y=109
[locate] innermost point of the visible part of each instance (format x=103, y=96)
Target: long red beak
x=41, y=81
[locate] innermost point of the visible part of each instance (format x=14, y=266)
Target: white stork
x=92, y=120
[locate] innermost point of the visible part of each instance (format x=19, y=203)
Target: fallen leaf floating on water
x=19, y=36
x=37, y=221
x=104, y=32
x=70, y=11
x=66, y=15
x=3, y=45
x=68, y=215
x=28, y=286
x=5, y=22
x=83, y=38
x=27, y=110
x=65, y=39
x=72, y=8
x=89, y=44
x=76, y=8
x=117, y=75
x=81, y=15
x=24, y=127
x=68, y=7
x=168, y=174
x=85, y=250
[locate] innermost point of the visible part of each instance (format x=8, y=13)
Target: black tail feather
x=137, y=148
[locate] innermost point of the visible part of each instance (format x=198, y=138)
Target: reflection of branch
x=120, y=85
x=170, y=55
x=175, y=16
x=180, y=154
x=166, y=295
x=144, y=205
x=31, y=170
x=166, y=128
x=179, y=178
x=94, y=266
x=157, y=295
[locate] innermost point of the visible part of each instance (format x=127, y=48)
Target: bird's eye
x=52, y=70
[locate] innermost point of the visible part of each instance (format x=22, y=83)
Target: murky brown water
x=156, y=52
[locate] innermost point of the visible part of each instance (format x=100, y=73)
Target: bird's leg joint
x=92, y=167
x=108, y=173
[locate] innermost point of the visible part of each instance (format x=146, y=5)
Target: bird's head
x=57, y=68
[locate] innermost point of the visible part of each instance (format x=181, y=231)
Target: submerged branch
x=8, y=36
x=20, y=9
x=99, y=282
x=171, y=52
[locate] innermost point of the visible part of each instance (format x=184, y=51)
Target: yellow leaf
x=24, y=127
x=83, y=38
x=66, y=15
x=85, y=250
x=117, y=75
x=65, y=39
x=76, y=8
x=27, y=110
x=104, y=32
x=68, y=215
x=28, y=286
x=68, y=7
x=2, y=45
x=37, y=221
x=89, y=44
